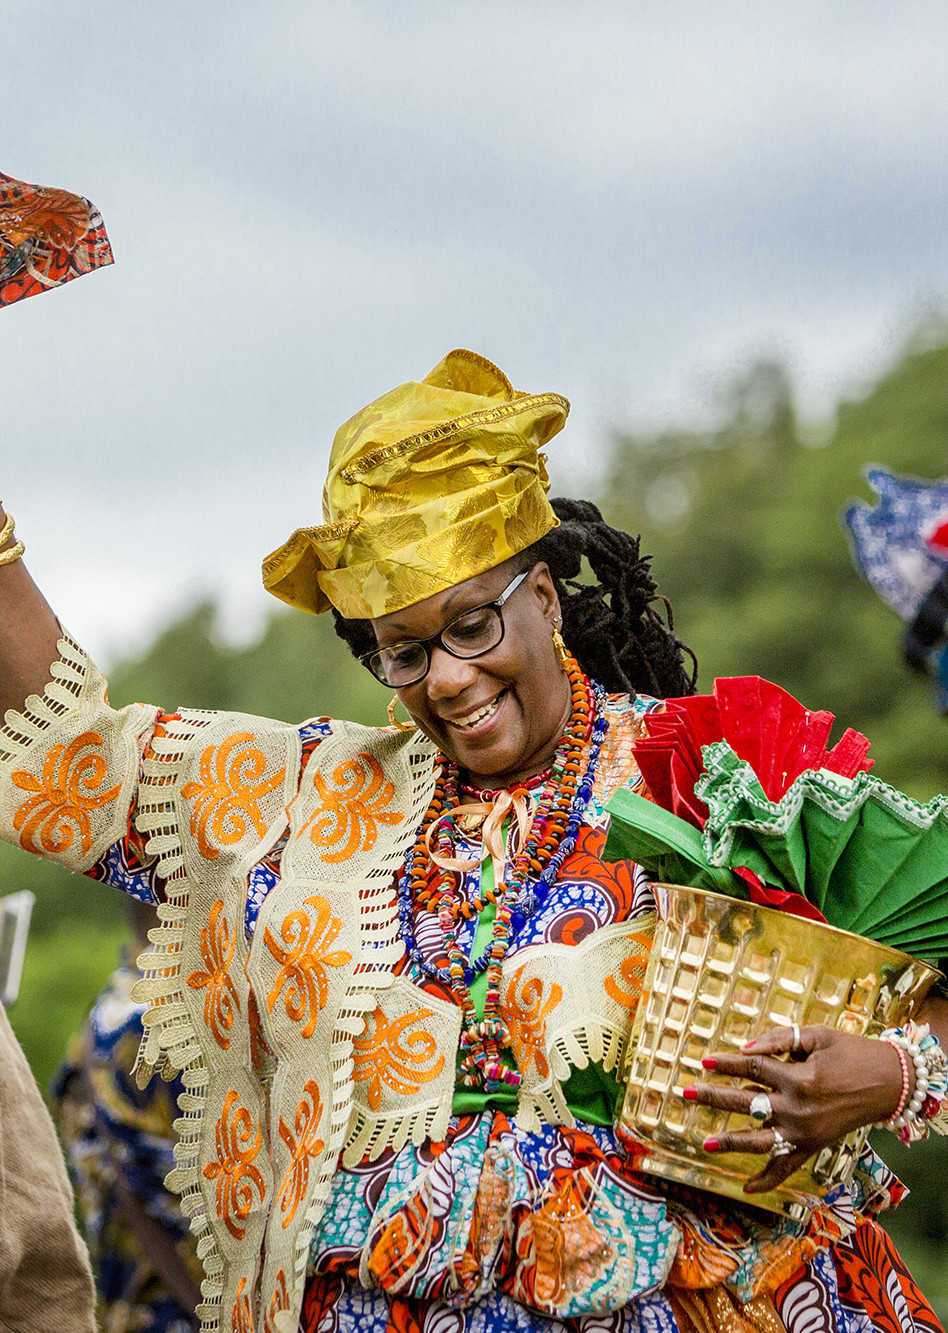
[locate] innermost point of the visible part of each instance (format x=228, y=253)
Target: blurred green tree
x=742, y=521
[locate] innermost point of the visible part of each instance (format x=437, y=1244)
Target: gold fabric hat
x=429, y=485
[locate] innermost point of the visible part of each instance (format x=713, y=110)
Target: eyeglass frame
x=496, y=604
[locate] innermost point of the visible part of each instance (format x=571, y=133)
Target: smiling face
x=498, y=716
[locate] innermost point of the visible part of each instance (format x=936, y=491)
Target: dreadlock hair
x=613, y=627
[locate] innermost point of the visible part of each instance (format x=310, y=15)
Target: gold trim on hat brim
x=458, y=425
x=305, y=572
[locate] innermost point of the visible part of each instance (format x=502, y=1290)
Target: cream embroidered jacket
x=302, y=1047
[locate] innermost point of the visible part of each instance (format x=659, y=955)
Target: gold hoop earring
x=562, y=651
x=399, y=726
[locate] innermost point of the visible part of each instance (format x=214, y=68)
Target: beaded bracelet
x=937, y=1059
x=916, y=1043
x=899, y=1049
x=14, y=552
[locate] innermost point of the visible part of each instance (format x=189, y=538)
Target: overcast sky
x=311, y=202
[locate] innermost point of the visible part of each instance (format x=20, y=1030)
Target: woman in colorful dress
x=393, y=971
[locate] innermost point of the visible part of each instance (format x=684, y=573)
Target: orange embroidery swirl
x=304, y=962
x=221, y=999
x=68, y=788
x=227, y=797
x=526, y=1019
x=626, y=989
x=389, y=1052
x=238, y=1180
x=280, y=1300
x=302, y=1146
x=347, y=819
x=241, y=1316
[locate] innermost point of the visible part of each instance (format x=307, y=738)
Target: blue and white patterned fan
x=901, y=547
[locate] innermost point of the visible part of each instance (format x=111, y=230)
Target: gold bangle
x=14, y=552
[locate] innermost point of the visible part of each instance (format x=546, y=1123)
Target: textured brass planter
x=722, y=971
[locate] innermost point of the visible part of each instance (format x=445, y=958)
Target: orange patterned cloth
x=716, y=1311
x=47, y=238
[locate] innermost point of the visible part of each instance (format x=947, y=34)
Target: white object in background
x=15, y=912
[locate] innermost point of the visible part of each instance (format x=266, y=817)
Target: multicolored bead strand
x=550, y=837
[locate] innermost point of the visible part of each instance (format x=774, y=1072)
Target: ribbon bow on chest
x=517, y=805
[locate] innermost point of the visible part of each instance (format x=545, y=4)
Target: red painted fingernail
x=709, y=1062
x=690, y=1094
x=748, y=1044
x=711, y=1145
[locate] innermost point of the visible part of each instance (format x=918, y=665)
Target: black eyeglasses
x=474, y=632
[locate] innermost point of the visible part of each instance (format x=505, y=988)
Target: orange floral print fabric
x=47, y=237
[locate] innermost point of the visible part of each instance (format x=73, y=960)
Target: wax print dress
x=410, y=1204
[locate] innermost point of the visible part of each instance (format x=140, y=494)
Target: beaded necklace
x=545, y=841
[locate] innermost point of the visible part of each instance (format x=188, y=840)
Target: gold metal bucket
x=722, y=971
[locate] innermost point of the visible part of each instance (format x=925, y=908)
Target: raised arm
x=89, y=785
x=29, y=631
x=48, y=237
x=69, y=764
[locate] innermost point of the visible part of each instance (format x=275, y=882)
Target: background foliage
x=742, y=520
x=743, y=523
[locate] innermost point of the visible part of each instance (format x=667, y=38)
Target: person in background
x=900, y=547
x=45, y=1280
x=119, y=1143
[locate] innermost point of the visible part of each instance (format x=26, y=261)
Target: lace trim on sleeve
x=63, y=693
x=170, y=1042
x=570, y=1006
x=69, y=765
x=157, y=820
x=379, y=787
x=192, y=776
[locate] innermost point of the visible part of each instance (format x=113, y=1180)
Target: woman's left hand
x=833, y=1082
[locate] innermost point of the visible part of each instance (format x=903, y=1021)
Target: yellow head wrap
x=429, y=485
